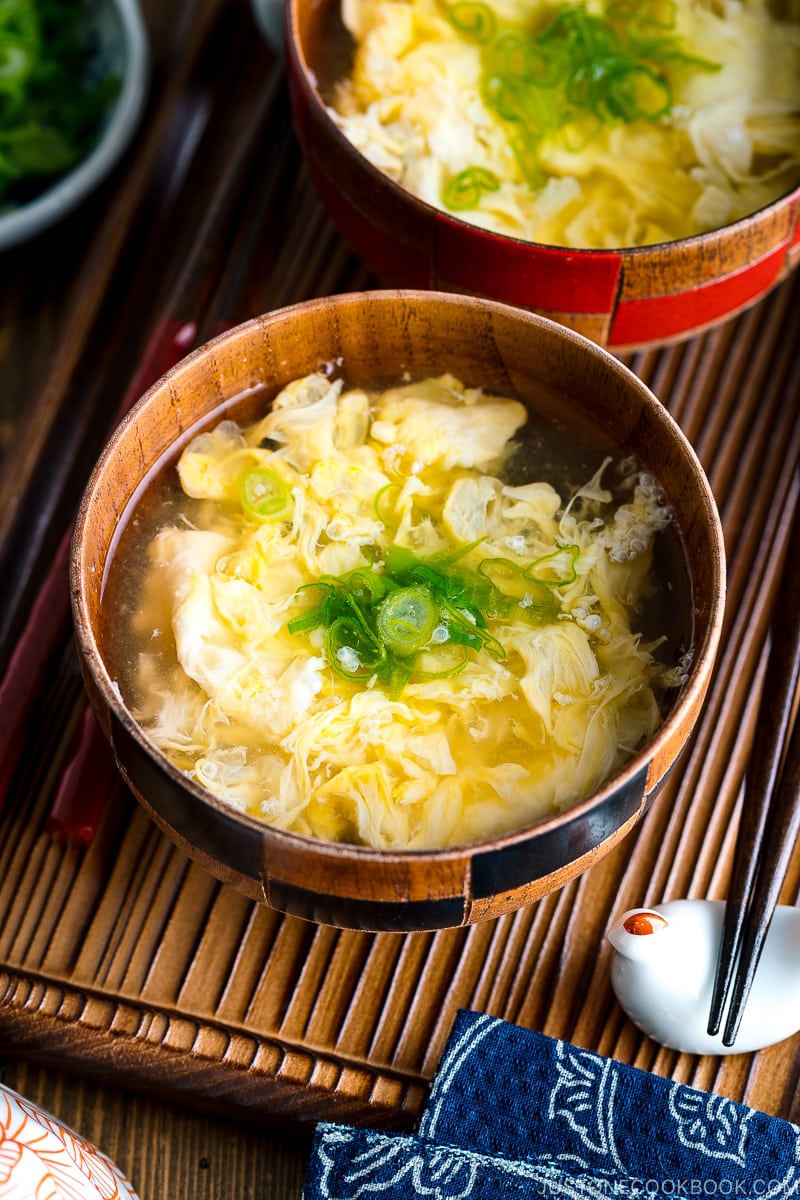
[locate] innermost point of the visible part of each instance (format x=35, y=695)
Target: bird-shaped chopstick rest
x=663, y=969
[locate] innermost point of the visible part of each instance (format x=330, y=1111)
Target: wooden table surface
x=200, y=1067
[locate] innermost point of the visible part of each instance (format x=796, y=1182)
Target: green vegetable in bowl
x=51, y=105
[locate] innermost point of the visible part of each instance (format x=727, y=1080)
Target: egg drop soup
x=613, y=123
x=411, y=618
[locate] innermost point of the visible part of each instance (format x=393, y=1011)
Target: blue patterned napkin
x=512, y=1113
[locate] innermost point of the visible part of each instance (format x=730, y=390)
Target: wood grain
x=127, y=964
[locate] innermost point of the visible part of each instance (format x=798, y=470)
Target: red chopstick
x=48, y=620
x=25, y=675
x=83, y=787
x=84, y=784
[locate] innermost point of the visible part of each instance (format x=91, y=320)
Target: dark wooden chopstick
x=770, y=817
x=781, y=836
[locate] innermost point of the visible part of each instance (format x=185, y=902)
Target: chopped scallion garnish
x=265, y=496
x=465, y=189
x=409, y=616
x=579, y=72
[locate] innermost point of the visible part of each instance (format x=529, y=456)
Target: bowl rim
x=304, y=76
x=689, y=699
x=23, y=223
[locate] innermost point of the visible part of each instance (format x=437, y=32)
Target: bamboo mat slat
x=124, y=960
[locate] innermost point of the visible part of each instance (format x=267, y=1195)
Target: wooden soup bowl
x=373, y=338
x=622, y=298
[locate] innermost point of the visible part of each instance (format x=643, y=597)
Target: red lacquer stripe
x=532, y=276
x=660, y=317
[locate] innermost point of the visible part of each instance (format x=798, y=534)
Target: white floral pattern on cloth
x=710, y=1124
x=717, y=1127
x=513, y=1113
x=378, y=1165
x=584, y=1097
x=354, y=1164
x=41, y=1159
x=453, y=1060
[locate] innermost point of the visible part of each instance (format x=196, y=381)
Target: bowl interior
x=375, y=340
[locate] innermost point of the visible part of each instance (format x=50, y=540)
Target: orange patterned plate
x=40, y=1157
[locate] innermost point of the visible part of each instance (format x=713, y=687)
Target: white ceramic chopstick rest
x=663, y=969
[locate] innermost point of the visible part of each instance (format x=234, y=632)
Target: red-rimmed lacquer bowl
x=371, y=338
x=623, y=299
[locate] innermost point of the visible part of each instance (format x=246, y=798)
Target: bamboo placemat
x=124, y=959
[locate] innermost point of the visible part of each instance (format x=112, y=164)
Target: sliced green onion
x=384, y=505
x=533, y=598
x=503, y=574
x=397, y=676
x=465, y=189
x=498, y=95
x=265, y=496
x=368, y=586
x=442, y=665
x=577, y=72
x=313, y=617
x=474, y=19
x=390, y=621
x=557, y=568
x=538, y=606
x=463, y=632
x=637, y=91
x=406, y=619
x=310, y=620
x=453, y=556
x=399, y=559
x=351, y=649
